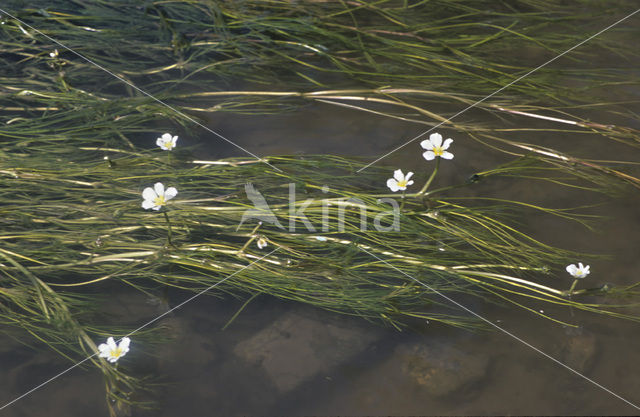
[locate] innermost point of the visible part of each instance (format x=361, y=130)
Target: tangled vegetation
x=76, y=153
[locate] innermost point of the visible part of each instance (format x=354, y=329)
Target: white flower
x=579, y=271
x=262, y=243
x=321, y=238
x=399, y=180
x=113, y=352
x=167, y=142
x=54, y=54
x=156, y=197
x=435, y=147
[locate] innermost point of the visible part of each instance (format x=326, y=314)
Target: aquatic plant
x=400, y=181
x=167, y=142
x=435, y=148
x=112, y=351
x=77, y=153
x=580, y=271
x=157, y=197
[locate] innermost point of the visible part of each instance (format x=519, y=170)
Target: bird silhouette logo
x=260, y=210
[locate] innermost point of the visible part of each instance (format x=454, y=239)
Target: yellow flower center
x=159, y=201
x=438, y=150
x=117, y=352
x=169, y=145
x=402, y=183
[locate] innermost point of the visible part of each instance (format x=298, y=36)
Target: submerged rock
x=440, y=369
x=296, y=348
x=579, y=350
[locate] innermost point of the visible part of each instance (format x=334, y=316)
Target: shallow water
x=282, y=358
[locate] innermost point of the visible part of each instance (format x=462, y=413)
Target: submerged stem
x=573, y=287
x=433, y=175
x=166, y=216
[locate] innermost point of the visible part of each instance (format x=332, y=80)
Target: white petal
x=156, y=208
x=170, y=193
x=147, y=204
x=397, y=174
x=409, y=182
x=392, y=184
x=149, y=194
x=111, y=343
x=174, y=141
x=124, y=344
x=409, y=175
x=436, y=139
x=447, y=143
x=167, y=137
x=160, y=142
x=159, y=187
x=586, y=268
x=429, y=155
x=447, y=155
x=104, y=349
x=426, y=144
x=572, y=269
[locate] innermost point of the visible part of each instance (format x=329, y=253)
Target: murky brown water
x=280, y=358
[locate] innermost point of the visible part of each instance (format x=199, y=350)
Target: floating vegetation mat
x=88, y=199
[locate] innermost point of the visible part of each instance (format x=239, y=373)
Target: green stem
x=237, y=313
x=252, y=238
x=166, y=216
x=573, y=287
x=433, y=175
